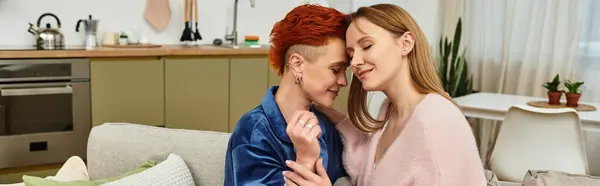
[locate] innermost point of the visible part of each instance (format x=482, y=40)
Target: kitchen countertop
x=164, y=50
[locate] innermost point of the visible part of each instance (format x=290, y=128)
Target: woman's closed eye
x=367, y=47
x=335, y=70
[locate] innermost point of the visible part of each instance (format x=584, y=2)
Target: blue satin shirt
x=259, y=146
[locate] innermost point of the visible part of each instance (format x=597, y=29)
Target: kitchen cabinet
x=247, y=86
x=197, y=93
x=273, y=77
x=127, y=90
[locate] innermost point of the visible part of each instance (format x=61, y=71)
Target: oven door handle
x=30, y=91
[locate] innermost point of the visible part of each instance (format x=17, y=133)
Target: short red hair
x=309, y=24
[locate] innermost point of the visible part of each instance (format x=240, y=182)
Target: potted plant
x=453, y=68
x=553, y=93
x=123, y=38
x=573, y=94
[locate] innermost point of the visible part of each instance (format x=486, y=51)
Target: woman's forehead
x=361, y=26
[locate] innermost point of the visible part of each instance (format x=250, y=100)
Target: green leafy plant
x=573, y=87
x=454, y=71
x=552, y=86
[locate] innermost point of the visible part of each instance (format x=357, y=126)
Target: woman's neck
x=403, y=94
x=290, y=98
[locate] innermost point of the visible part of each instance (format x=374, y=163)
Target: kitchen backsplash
x=214, y=17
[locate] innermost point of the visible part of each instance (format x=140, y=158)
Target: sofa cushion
x=557, y=178
x=172, y=171
x=114, y=148
x=492, y=180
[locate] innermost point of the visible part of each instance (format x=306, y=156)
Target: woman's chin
x=368, y=87
x=373, y=85
x=325, y=104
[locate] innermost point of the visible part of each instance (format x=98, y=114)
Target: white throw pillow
x=74, y=169
x=172, y=171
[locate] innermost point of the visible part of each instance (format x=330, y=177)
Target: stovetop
x=32, y=47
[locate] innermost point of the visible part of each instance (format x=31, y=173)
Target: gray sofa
x=115, y=148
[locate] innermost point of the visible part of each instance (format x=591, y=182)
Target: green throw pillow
x=37, y=181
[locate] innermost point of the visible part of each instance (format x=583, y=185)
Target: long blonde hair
x=423, y=71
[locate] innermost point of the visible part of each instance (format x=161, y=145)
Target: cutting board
x=158, y=13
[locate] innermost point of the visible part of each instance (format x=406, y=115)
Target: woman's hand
x=304, y=177
x=304, y=131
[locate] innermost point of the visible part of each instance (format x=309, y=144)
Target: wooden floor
x=14, y=175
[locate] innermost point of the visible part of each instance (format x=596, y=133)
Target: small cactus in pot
x=554, y=93
x=573, y=93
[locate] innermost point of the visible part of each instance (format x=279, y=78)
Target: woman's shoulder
x=434, y=102
x=252, y=118
x=436, y=109
x=250, y=122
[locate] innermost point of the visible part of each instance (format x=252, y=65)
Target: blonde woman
x=420, y=137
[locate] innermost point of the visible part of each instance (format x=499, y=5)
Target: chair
x=538, y=139
x=374, y=101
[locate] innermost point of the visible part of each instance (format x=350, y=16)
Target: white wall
x=214, y=17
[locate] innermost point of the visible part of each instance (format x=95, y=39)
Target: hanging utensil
x=187, y=31
x=197, y=35
x=158, y=13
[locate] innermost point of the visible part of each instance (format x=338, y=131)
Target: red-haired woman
x=308, y=50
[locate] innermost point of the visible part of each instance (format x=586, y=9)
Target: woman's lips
x=363, y=74
x=335, y=92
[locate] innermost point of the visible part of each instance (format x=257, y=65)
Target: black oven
x=44, y=110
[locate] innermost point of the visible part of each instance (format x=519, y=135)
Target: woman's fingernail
x=284, y=172
x=287, y=162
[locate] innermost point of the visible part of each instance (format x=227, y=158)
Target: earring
x=298, y=79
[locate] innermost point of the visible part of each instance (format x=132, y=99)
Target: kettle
x=47, y=38
x=91, y=25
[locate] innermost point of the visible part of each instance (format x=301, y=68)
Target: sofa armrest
x=115, y=148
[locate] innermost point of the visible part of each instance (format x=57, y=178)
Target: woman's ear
x=406, y=42
x=296, y=64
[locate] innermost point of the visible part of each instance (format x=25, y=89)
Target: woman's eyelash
x=367, y=47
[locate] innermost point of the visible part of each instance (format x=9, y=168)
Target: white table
x=494, y=106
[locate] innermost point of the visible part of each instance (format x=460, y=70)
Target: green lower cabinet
x=273, y=77
x=247, y=86
x=127, y=90
x=197, y=93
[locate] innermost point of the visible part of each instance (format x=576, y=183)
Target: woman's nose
x=341, y=80
x=356, y=61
